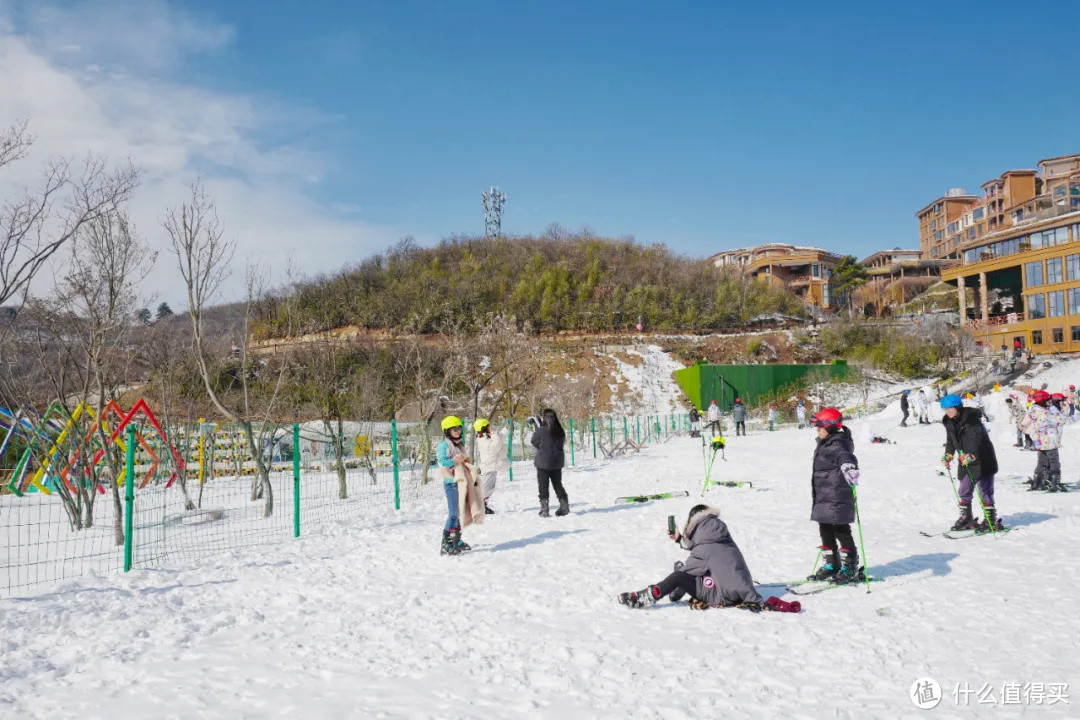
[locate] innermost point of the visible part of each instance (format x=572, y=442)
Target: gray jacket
x=549, y=452
x=738, y=412
x=834, y=503
x=715, y=560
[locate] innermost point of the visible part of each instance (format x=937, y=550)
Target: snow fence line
x=158, y=521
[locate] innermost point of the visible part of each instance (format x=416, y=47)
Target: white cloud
x=101, y=78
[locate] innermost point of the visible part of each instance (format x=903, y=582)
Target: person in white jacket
x=713, y=416
x=923, y=401
x=491, y=456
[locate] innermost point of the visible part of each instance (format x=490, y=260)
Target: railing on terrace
x=995, y=320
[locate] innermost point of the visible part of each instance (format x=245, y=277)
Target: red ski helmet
x=738, y=401
x=827, y=418
x=1057, y=396
x=1041, y=397
x=1072, y=387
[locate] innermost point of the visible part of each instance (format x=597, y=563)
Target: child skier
x=800, y=412
x=715, y=574
x=738, y=414
x=966, y=436
x=449, y=454
x=1016, y=414
x=1043, y=423
x=774, y=417
x=491, y=449
x=835, y=474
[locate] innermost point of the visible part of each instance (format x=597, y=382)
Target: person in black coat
x=549, y=439
x=835, y=474
x=904, y=407
x=966, y=437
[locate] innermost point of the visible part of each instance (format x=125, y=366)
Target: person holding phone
x=715, y=574
x=549, y=439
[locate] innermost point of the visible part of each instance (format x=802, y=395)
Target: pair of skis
x=962, y=534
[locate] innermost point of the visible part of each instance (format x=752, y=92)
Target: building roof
x=973, y=198
x=1059, y=157
x=894, y=251
x=1001, y=178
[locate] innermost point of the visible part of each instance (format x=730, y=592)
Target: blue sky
x=702, y=125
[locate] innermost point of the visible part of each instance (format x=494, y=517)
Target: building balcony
x=995, y=321
x=802, y=280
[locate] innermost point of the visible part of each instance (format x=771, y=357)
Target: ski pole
x=816, y=561
x=862, y=545
x=953, y=483
x=708, y=475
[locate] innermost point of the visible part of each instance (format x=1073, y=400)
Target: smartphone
x=671, y=524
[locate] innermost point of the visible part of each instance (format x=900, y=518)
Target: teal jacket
x=444, y=457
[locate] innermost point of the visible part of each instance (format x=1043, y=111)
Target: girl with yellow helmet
x=449, y=453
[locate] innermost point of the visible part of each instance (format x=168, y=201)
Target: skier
x=695, y=418
x=977, y=402
x=449, y=454
x=924, y=407
x=1016, y=414
x=549, y=439
x=1072, y=399
x=966, y=436
x=800, y=412
x=774, y=417
x=491, y=449
x=1043, y=423
x=835, y=474
x=738, y=414
x=904, y=407
x=715, y=574
x=713, y=414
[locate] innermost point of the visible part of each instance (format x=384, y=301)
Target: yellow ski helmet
x=479, y=425
x=717, y=442
x=451, y=421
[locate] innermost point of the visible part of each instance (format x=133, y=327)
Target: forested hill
x=586, y=284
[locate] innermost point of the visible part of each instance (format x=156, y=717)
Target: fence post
x=625, y=429
x=592, y=423
x=611, y=430
x=394, y=456
x=637, y=422
x=129, y=497
x=510, y=448
x=571, y=442
x=202, y=452
x=648, y=428
x=296, y=478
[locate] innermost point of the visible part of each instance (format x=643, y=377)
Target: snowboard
x=655, y=496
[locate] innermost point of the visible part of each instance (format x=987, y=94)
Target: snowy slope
x=652, y=389
x=363, y=619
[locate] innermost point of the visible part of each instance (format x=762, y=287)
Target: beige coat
x=470, y=495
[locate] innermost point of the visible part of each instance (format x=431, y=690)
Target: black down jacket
x=966, y=433
x=834, y=502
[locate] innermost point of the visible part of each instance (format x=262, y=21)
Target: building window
x=1055, y=303
x=1033, y=274
x=977, y=214
x=1058, y=335
x=971, y=233
x=1036, y=337
x=815, y=270
x=1074, y=301
x=938, y=235
x=1072, y=267
x=1074, y=189
x=1036, y=307
x=1059, y=191
x=1076, y=333
x=1053, y=271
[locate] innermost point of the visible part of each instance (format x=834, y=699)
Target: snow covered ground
x=363, y=618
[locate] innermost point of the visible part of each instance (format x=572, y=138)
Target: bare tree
x=251, y=384
x=425, y=378
x=34, y=227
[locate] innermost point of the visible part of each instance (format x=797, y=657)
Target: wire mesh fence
x=209, y=495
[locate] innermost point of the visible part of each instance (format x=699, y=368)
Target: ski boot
x=678, y=593
x=641, y=598
x=1037, y=482
x=564, y=507
x=828, y=566
x=965, y=521
x=850, y=571
x=455, y=537
x=487, y=509
x=991, y=522
x=544, y=509
x=448, y=546
x=1055, y=484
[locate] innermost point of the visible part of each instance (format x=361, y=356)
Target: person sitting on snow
x=715, y=574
